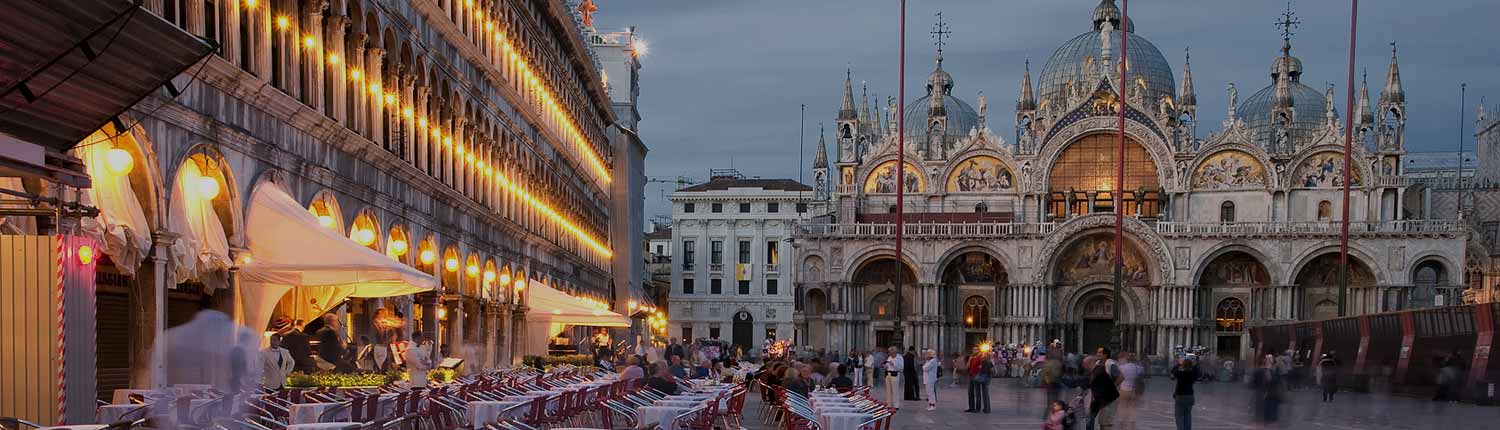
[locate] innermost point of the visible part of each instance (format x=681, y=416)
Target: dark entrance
x=973, y=339
x=744, y=330
x=1098, y=320
x=885, y=338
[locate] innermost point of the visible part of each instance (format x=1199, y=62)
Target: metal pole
x=1458, y=176
x=801, y=133
x=1348, y=161
x=1116, y=340
x=900, y=168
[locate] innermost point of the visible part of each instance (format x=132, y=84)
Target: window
x=713, y=332
x=687, y=334
x=1226, y=212
x=688, y=208
x=771, y=287
x=687, y=285
x=744, y=208
x=891, y=209
x=688, y=252
x=744, y=288
x=801, y=208
x=744, y=251
x=658, y=249
x=772, y=253
x=773, y=207
x=716, y=286
x=1325, y=211
x=717, y=208
x=771, y=333
x=716, y=252
x=981, y=208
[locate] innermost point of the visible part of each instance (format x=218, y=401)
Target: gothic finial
x=1394, y=93
x=1188, y=97
x=1288, y=23
x=846, y=109
x=1028, y=98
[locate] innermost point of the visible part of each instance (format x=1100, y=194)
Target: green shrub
x=363, y=379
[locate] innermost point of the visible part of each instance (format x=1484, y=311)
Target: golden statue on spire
x=586, y=8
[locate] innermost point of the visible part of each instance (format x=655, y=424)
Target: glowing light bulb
x=354, y=75
x=398, y=247
x=408, y=112
x=333, y=58
x=390, y=99
x=250, y=4
x=364, y=236
x=85, y=255
x=375, y=88
x=118, y=161
x=325, y=221
x=472, y=270
x=422, y=122
x=520, y=284
x=451, y=264
x=504, y=279
x=309, y=41
x=282, y=22
x=489, y=276
x=208, y=187
x=427, y=256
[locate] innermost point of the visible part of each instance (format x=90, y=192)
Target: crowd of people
x=322, y=346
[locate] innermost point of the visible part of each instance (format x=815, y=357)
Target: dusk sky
x=723, y=80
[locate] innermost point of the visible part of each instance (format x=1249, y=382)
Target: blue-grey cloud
x=723, y=79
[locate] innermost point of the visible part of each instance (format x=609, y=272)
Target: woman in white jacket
x=930, y=378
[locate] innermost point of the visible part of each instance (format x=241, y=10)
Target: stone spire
x=1283, y=95
x=1393, y=93
x=1028, y=98
x=877, y=121
x=864, y=108
x=846, y=109
x=1366, y=117
x=1329, y=112
x=1187, y=97
x=822, y=161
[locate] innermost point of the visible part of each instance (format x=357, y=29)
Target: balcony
x=1392, y=181
x=1014, y=230
x=716, y=268
x=772, y=268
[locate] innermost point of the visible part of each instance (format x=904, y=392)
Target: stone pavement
x=1220, y=406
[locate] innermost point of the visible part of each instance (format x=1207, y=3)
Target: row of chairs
x=789, y=410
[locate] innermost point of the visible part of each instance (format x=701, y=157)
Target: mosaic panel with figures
x=1235, y=269
x=1323, y=170
x=882, y=179
x=1230, y=170
x=1092, y=257
x=980, y=174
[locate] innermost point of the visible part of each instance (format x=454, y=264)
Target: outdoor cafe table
x=842, y=420
x=107, y=414
x=308, y=413
x=489, y=412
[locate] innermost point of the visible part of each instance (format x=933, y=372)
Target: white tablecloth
x=111, y=413
x=308, y=413
x=659, y=415
x=842, y=420
x=322, y=426
x=77, y=427
x=486, y=412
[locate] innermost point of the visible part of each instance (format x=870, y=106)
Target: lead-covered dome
x=961, y=117
x=1308, y=104
x=1077, y=62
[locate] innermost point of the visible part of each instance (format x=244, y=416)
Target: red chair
x=536, y=412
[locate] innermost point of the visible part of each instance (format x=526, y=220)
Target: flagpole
x=1348, y=161
x=900, y=171
x=1116, y=332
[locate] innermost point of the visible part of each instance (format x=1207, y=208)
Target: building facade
x=1012, y=241
x=466, y=139
x=620, y=58
x=732, y=256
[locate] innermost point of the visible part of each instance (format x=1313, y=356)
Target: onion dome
x=939, y=101
x=1078, y=61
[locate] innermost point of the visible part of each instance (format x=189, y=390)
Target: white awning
x=549, y=305
x=289, y=248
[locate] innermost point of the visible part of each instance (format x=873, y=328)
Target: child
x=1057, y=419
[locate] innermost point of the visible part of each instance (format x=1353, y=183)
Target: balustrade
x=1023, y=229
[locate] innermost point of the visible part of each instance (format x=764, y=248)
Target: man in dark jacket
x=1102, y=388
x=980, y=369
x=297, y=344
x=909, y=375
x=675, y=350
x=331, y=345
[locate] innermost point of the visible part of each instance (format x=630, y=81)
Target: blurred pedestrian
x=1102, y=388
x=913, y=383
x=1051, y=377
x=980, y=371
x=930, y=378
x=1185, y=373
x=1057, y=415
x=1269, y=388
x=1328, y=377
x=1132, y=387
x=276, y=363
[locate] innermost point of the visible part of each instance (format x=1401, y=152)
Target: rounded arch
x=974, y=266
x=882, y=178
x=356, y=10
x=144, y=176
x=473, y=270
x=325, y=207
x=980, y=172
x=881, y=268
x=1144, y=238
x=1160, y=151
x=991, y=249
x=1229, y=315
x=1087, y=162
x=489, y=277
x=1084, y=302
x=451, y=268
x=817, y=301
x=1322, y=167
x=427, y=254
x=1331, y=248
x=813, y=268
x=882, y=305
x=1231, y=167
x=398, y=244
x=1234, y=252
x=365, y=229
x=878, y=252
x=372, y=28
x=1431, y=270
x=228, y=203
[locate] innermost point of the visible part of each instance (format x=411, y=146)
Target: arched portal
x=1227, y=279
x=1319, y=282
x=879, y=275
x=1082, y=179
x=1096, y=314
x=743, y=330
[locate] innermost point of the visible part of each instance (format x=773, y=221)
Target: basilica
x=1010, y=239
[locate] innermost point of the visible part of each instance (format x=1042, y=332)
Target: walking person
x=1185, y=373
x=1132, y=387
x=894, y=365
x=1328, y=368
x=855, y=365
x=960, y=369
x=1268, y=385
x=930, y=378
x=1102, y=388
x=1052, y=375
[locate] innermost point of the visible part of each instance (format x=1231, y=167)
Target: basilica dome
x=1077, y=61
x=961, y=116
x=1309, y=105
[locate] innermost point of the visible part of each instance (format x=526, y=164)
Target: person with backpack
x=1185, y=373
x=981, y=369
x=1101, y=385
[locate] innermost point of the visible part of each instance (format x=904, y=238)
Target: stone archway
x=1318, y=283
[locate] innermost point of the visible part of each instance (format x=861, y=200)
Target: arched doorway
x=1319, y=282
x=976, y=320
x=1225, y=282
x=743, y=330
x=1430, y=275
x=879, y=276
x=1098, y=321
x=1082, y=179
x=978, y=277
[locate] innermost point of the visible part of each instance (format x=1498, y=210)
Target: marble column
x=336, y=84
x=313, y=70
x=460, y=139
x=354, y=60
x=373, y=75
x=406, y=115
x=421, y=132
x=148, y=310
x=229, y=26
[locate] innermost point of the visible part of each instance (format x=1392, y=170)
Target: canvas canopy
x=290, y=249
x=548, y=305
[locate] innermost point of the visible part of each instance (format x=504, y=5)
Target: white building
x=620, y=73
x=733, y=273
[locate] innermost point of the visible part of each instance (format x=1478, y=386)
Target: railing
x=715, y=268
x=846, y=189
x=1002, y=230
x=1392, y=181
x=772, y=268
